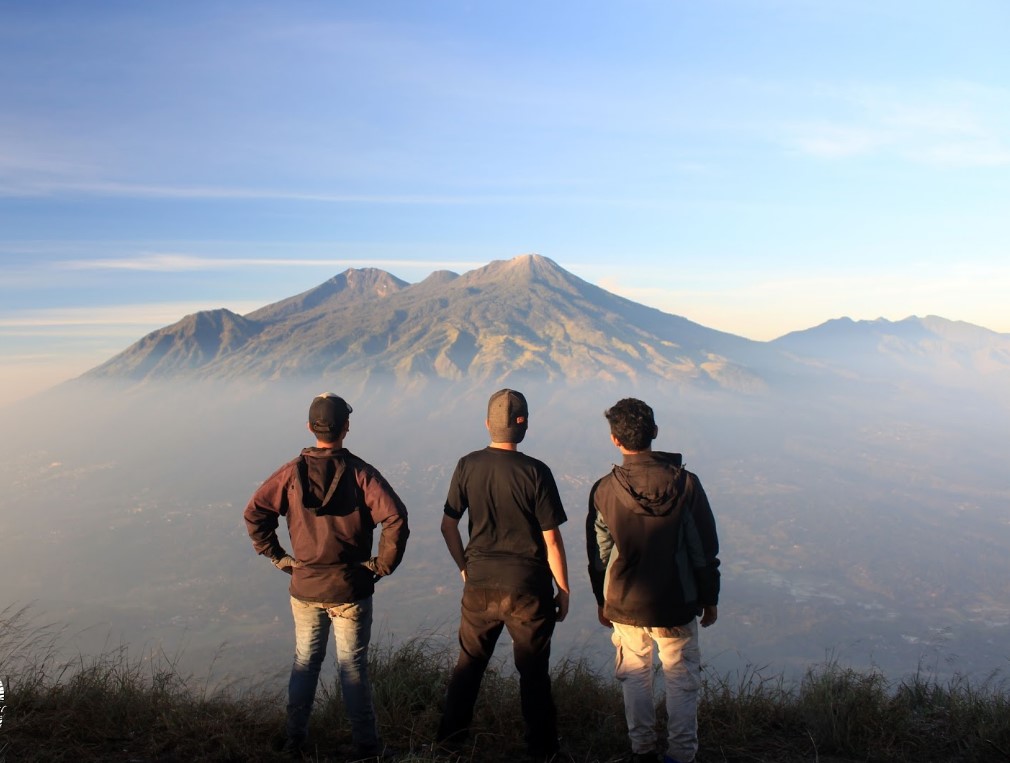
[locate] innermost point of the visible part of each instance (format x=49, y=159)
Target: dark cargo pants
x=530, y=619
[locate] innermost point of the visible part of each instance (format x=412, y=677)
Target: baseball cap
x=507, y=416
x=327, y=415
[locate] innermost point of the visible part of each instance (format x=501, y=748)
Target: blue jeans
x=352, y=630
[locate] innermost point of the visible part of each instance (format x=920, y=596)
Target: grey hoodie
x=652, y=542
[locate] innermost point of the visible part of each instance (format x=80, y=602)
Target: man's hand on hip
x=286, y=563
x=372, y=565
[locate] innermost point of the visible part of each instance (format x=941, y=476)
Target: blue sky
x=758, y=166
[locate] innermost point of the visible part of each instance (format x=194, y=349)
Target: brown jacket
x=332, y=501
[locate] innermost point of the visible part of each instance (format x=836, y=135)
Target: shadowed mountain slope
x=184, y=347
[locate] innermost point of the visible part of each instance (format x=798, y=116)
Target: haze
x=874, y=530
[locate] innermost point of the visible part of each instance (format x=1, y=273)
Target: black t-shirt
x=512, y=499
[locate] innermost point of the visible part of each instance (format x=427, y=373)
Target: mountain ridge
x=527, y=317
x=955, y=351
x=344, y=287
x=524, y=316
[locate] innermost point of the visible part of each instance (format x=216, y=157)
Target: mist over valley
x=857, y=470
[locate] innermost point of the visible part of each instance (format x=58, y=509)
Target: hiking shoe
x=294, y=748
x=558, y=754
x=367, y=754
x=644, y=757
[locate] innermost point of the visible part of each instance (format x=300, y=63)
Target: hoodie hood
x=319, y=473
x=653, y=482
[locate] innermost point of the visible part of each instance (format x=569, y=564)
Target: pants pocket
x=352, y=611
x=615, y=639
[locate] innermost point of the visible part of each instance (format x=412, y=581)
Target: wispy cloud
x=835, y=141
x=953, y=124
x=175, y=263
x=35, y=187
x=473, y=192
x=107, y=317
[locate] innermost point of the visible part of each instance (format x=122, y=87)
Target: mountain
x=525, y=317
x=191, y=344
x=529, y=319
x=933, y=349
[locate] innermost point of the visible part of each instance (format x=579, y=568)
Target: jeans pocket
x=351, y=611
x=528, y=607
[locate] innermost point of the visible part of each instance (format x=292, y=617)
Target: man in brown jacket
x=332, y=501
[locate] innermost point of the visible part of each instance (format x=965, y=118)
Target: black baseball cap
x=328, y=414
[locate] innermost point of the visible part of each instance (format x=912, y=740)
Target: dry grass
x=115, y=707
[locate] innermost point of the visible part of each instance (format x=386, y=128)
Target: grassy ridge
x=116, y=708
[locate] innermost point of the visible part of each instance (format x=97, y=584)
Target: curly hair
x=632, y=423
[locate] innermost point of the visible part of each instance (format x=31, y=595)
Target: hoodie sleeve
x=263, y=512
x=598, y=553
x=387, y=510
x=703, y=545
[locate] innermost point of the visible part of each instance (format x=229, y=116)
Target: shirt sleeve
x=703, y=545
x=549, y=511
x=597, y=557
x=456, y=502
x=263, y=512
x=386, y=509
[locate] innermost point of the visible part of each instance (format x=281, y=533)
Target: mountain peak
x=533, y=263
x=191, y=343
x=528, y=264
x=370, y=280
x=352, y=285
x=522, y=271
x=438, y=278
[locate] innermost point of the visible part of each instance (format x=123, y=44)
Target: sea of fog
x=870, y=532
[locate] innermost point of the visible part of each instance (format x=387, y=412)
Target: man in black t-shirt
x=513, y=558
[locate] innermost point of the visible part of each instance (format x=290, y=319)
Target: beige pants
x=681, y=661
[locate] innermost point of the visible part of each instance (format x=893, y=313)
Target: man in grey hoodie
x=654, y=566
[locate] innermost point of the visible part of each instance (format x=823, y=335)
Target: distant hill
x=931, y=348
